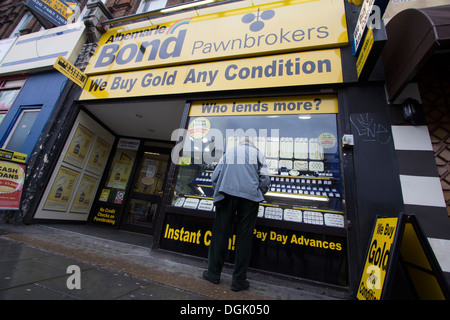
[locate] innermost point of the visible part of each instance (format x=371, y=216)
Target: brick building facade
x=15, y=14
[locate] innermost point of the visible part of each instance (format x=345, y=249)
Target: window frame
x=20, y=114
x=143, y=5
x=24, y=21
x=5, y=87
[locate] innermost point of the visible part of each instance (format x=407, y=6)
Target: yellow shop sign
x=278, y=27
x=265, y=106
x=293, y=69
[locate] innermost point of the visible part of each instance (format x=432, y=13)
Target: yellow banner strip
x=294, y=69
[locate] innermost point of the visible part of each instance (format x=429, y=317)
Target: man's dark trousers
x=246, y=212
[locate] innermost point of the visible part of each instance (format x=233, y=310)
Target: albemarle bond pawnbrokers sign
x=278, y=27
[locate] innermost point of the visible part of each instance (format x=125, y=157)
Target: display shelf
x=281, y=224
x=302, y=159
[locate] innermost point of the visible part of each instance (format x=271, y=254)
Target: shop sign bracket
x=373, y=44
x=363, y=19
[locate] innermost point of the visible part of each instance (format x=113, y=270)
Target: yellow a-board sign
x=400, y=244
x=377, y=260
x=421, y=265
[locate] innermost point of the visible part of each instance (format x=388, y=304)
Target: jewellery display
x=303, y=163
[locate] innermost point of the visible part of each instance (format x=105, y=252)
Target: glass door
x=147, y=191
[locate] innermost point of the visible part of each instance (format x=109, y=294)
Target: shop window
x=22, y=24
x=9, y=90
x=73, y=184
x=147, y=190
x=150, y=5
x=21, y=129
x=7, y=98
x=301, y=150
x=119, y=174
x=2, y=116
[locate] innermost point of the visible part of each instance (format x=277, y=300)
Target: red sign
x=12, y=177
x=119, y=197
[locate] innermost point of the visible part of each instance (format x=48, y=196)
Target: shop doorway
x=130, y=193
x=147, y=188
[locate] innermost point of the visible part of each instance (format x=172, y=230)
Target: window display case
x=302, y=155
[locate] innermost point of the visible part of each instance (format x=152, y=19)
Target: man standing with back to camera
x=239, y=180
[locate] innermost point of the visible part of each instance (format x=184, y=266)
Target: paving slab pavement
x=114, y=265
x=30, y=273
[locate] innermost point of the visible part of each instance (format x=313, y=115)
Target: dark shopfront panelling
x=297, y=253
x=376, y=182
x=371, y=179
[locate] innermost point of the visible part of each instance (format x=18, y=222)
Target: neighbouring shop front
x=30, y=87
x=166, y=96
x=32, y=92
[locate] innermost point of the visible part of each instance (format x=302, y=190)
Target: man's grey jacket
x=241, y=172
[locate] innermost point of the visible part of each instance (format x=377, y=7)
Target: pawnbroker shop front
x=166, y=96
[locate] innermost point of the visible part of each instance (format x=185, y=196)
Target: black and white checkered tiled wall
x=420, y=183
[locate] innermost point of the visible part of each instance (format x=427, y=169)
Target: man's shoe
x=240, y=286
x=206, y=276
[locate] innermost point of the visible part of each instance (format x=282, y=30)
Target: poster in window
x=12, y=176
x=84, y=195
x=98, y=157
x=119, y=175
x=79, y=146
x=7, y=98
x=62, y=188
